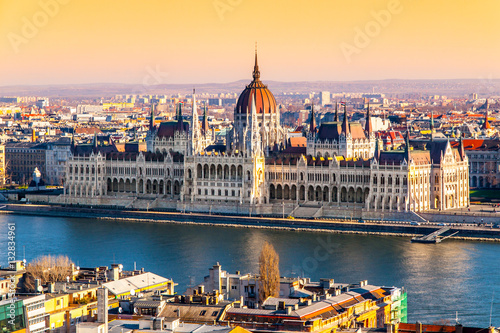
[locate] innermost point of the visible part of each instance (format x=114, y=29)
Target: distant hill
x=455, y=87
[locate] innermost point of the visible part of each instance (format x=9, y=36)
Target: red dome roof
x=264, y=99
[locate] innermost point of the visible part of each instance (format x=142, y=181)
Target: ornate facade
x=343, y=170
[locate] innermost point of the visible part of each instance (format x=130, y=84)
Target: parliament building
x=342, y=173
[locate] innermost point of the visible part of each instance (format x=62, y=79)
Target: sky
x=201, y=41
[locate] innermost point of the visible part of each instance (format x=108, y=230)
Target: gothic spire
x=345, y=122
x=180, y=126
x=407, y=146
x=461, y=148
x=336, y=112
x=204, y=124
x=377, y=149
x=73, y=146
x=312, y=120
x=486, y=124
x=152, y=119
x=432, y=125
x=368, y=124
x=256, y=73
x=94, y=144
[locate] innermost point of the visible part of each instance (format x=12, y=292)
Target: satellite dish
x=67, y=278
x=132, y=292
x=120, y=310
x=40, y=288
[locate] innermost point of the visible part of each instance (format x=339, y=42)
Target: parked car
x=414, y=223
x=442, y=224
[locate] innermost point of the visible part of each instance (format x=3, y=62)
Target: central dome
x=264, y=99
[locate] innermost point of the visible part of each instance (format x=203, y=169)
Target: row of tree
x=57, y=268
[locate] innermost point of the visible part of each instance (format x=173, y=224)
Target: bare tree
x=269, y=280
x=47, y=269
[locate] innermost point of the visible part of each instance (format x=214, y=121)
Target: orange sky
x=197, y=41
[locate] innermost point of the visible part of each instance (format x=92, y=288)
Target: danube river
x=441, y=279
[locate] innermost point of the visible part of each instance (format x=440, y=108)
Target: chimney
x=51, y=288
x=38, y=285
x=281, y=305
x=68, y=321
x=418, y=327
x=102, y=308
x=237, y=272
x=459, y=328
x=115, y=272
x=201, y=289
x=288, y=310
x=389, y=328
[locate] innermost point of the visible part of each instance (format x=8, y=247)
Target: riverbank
x=370, y=227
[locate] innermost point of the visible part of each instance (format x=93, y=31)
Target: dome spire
x=256, y=73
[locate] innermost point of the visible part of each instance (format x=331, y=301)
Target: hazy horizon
x=58, y=42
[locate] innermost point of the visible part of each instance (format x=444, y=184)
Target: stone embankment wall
x=318, y=225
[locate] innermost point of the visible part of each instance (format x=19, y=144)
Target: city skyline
x=193, y=42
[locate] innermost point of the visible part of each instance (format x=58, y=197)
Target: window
x=215, y=313
x=202, y=313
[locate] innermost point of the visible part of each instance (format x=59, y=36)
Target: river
x=441, y=279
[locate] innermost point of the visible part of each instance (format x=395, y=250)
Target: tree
x=47, y=269
x=269, y=279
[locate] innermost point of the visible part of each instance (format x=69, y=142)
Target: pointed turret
x=345, y=122
x=256, y=73
x=377, y=150
x=461, y=150
x=204, y=124
x=94, y=143
x=152, y=119
x=368, y=124
x=312, y=120
x=432, y=125
x=180, y=126
x=486, y=124
x=336, y=112
x=73, y=146
x=407, y=147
